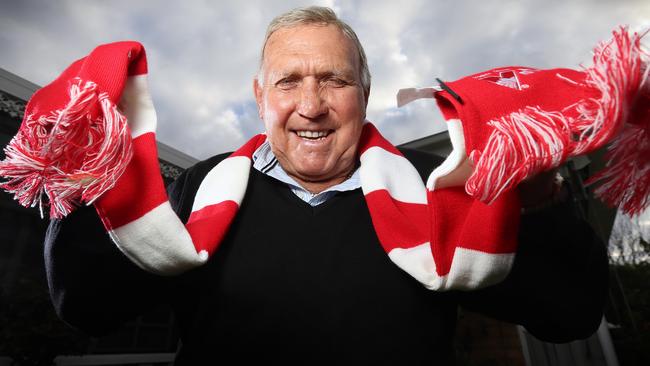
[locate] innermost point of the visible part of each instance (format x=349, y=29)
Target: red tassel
x=68, y=156
x=625, y=180
x=617, y=73
x=523, y=144
x=532, y=140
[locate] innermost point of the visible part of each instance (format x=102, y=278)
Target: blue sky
x=203, y=54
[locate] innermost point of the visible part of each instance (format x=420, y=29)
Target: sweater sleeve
x=94, y=287
x=557, y=287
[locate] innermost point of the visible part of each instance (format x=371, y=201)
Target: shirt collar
x=265, y=161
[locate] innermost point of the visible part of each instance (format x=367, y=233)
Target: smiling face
x=312, y=103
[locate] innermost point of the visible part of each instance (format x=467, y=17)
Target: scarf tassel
x=67, y=157
x=619, y=76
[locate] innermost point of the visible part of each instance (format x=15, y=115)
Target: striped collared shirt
x=265, y=161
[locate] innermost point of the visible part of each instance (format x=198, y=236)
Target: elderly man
x=312, y=91
x=300, y=277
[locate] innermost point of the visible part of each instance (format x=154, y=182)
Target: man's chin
x=315, y=173
x=317, y=176
x=313, y=176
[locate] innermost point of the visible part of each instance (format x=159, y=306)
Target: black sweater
x=300, y=284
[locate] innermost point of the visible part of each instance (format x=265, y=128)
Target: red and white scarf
x=75, y=146
x=445, y=239
x=514, y=122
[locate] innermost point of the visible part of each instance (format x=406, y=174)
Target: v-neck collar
x=285, y=191
x=265, y=162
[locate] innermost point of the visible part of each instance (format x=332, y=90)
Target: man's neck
x=315, y=187
x=265, y=161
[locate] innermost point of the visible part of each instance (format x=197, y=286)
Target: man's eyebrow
x=279, y=75
x=338, y=73
x=348, y=75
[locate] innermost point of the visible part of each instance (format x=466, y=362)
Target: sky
x=203, y=54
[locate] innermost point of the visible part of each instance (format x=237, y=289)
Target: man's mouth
x=313, y=135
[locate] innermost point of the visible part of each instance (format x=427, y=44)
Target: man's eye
x=286, y=83
x=336, y=82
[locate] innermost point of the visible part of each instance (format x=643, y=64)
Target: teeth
x=312, y=134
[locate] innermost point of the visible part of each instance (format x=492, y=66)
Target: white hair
x=322, y=16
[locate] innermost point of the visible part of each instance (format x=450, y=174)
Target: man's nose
x=312, y=103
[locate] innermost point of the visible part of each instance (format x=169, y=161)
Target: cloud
x=203, y=54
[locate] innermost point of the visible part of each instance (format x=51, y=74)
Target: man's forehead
x=298, y=66
x=312, y=32
x=290, y=49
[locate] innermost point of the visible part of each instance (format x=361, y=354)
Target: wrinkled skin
x=310, y=83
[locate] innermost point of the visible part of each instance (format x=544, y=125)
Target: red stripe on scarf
x=370, y=137
x=209, y=225
x=397, y=224
x=249, y=147
x=134, y=194
x=471, y=224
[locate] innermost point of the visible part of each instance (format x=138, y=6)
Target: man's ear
x=257, y=90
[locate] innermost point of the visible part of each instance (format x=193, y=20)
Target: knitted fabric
x=511, y=123
x=443, y=238
x=73, y=143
